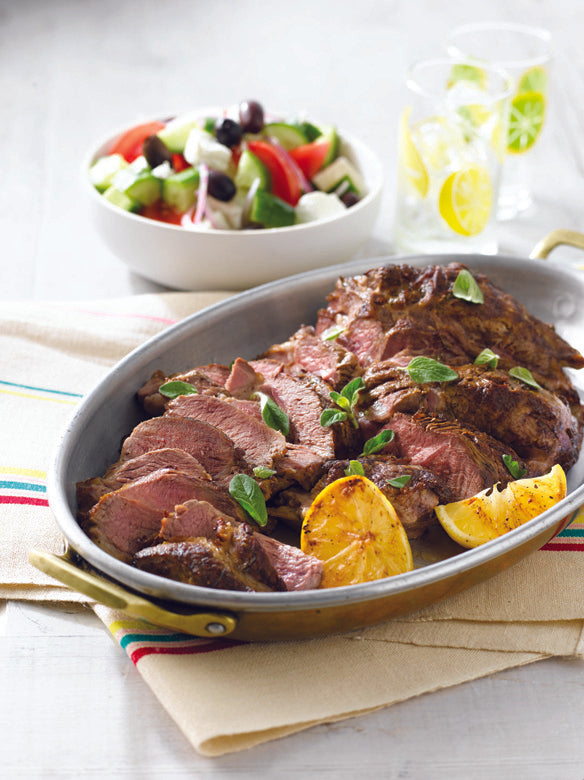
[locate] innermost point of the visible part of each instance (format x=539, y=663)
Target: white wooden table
x=71, y=703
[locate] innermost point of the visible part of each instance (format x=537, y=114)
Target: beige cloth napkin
x=225, y=695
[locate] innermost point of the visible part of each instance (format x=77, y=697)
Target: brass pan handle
x=104, y=591
x=557, y=238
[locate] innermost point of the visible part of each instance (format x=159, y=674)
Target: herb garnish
x=355, y=469
x=248, y=495
x=378, y=442
x=272, y=415
x=399, y=482
x=487, y=358
x=175, y=388
x=345, y=401
x=524, y=375
x=263, y=472
x=513, y=467
x=424, y=369
x=467, y=289
x=332, y=333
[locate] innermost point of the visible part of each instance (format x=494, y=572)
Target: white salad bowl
x=203, y=259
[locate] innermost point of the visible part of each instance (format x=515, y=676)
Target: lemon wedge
x=493, y=512
x=355, y=531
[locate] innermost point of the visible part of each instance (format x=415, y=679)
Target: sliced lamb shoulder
x=305, y=352
x=464, y=460
x=537, y=424
x=258, y=443
x=209, y=379
x=127, y=519
x=304, y=398
x=211, y=447
x=297, y=570
x=414, y=502
x=90, y=491
x=233, y=560
x=398, y=310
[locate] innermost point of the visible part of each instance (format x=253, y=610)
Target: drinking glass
x=451, y=144
x=525, y=53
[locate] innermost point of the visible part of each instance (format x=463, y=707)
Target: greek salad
x=240, y=170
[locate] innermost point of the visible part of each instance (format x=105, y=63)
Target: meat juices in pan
x=165, y=505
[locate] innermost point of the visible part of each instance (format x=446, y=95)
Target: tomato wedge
x=179, y=163
x=129, y=144
x=310, y=157
x=285, y=183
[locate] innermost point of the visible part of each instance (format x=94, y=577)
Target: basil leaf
x=487, y=358
x=248, y=495
x=467, y=289
x=351, y=390
x=176, y=388
x=524, y=375
x=423, y=369
x=331, y=416
x=263, y=472
x=355, y=469
x=272, y=415
x=341, y=401
x=378, y=442
x=399, y=482
x=513, y=467
x=332, y=333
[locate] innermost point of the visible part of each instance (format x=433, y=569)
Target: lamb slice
x=90, y=490
x=414, y=502
x=232, y=560
x=210, y=446
x=302, y=400
x=114, y=522
x=464, y=460
x=207, y=379
x=307, y=352
x=259, y=443
x=243, y=379
x=299, y=464
x=194, y=519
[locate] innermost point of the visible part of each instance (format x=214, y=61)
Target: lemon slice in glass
x=465, y=200
x=494, y=512
x=410, y=160
x=355, y=531
x=525, y=121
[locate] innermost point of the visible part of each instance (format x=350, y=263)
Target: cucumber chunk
x=288, y=136
x=270, y=212
x=179, y=189
x=121, y=200
x=102, y=172
x=329, y=133
x=340, y=176
x=249, y=169
x=176, y=132
x=143, y=186
x=311, y=131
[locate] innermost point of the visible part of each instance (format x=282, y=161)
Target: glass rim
x=432, y=62
x=540, y=33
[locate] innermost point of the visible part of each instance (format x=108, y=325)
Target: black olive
x=350, y=198
x=251, y=116
x=156, y=151
x=220, y=186
x=228, y=132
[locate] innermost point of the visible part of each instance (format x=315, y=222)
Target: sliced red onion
x=305, y=185
x=248, y=199
x=201, y=193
